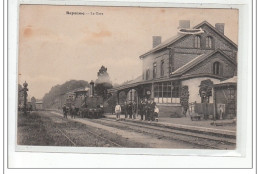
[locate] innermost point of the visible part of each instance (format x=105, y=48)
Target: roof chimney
x=220, y=27
x=91, y=88
x=156, y=40
x=184, y=24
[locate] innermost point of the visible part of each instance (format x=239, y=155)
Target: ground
x=49, y=128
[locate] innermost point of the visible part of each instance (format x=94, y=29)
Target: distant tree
x=103, y=83
x=205, y=90
x=112, y=100
x=55, y=93
x=115, y=85
x=102, y=71
x=20, y=94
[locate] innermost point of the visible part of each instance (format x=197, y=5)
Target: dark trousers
x=130, y=114
x=134, y=115
x=142, y=115
x=118, y=115
x=147, y=115
x=152, y=116
x=65, y=114
x=125, y=114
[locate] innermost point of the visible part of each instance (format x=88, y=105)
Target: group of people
x=69, y=110
x=146, y=108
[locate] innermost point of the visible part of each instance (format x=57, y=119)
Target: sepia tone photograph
x=127, y=77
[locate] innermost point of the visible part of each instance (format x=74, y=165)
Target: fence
x=204, y=108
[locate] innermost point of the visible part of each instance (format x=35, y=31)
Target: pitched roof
x=232, y=80
x=198, y=60
x=188, y=65
x=179, y=36
x=138, y=79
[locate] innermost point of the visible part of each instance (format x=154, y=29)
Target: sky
x=55, y=47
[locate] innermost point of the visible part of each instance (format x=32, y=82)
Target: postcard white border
x=240, y=158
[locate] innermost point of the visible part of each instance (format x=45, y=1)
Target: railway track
x=64, y=134
x=202, y=140
x=228, y=140
x=103, y=138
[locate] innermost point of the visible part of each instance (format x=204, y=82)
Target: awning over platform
x=138, y=83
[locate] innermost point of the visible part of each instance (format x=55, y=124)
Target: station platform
x=221, y=127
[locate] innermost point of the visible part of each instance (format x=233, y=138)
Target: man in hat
x=141, y=109
x=118, y=111
x=65, y=111
x=126, y=109
x=130, y=110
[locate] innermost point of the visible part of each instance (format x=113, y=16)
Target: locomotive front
x=92, y=107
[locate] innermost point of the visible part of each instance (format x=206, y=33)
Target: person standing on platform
x=134, y=110
x=126, y=109
x=146, y=109
x=153, y=105
x=141, y=109
x=73, y=111
x=112, y=109
x=64, y=108
x=156, y=113
x=118, y=111
x=130, y=110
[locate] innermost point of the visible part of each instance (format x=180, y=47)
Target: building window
x=197, y=42
x=231, y=93
x=147, y=74
x=162, y=68
x=166, y=92
x=154, y=70
x=209, y=42
x=216, y=68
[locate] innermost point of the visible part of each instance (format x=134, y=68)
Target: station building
x=39, y=105
x=187, y=59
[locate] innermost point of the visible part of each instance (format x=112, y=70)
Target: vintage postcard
x=127, y=77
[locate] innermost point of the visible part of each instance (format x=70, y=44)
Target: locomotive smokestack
x=91, y=88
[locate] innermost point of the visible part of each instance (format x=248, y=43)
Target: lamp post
x=25, y=89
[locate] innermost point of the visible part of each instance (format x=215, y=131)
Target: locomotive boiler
x=92, y=105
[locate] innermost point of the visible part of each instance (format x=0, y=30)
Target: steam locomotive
x=88, y=105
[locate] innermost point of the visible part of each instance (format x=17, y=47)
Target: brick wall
x=206, y=67
x=183, y=51
x=156, y=58
x=218, y=41
x=181, y=59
